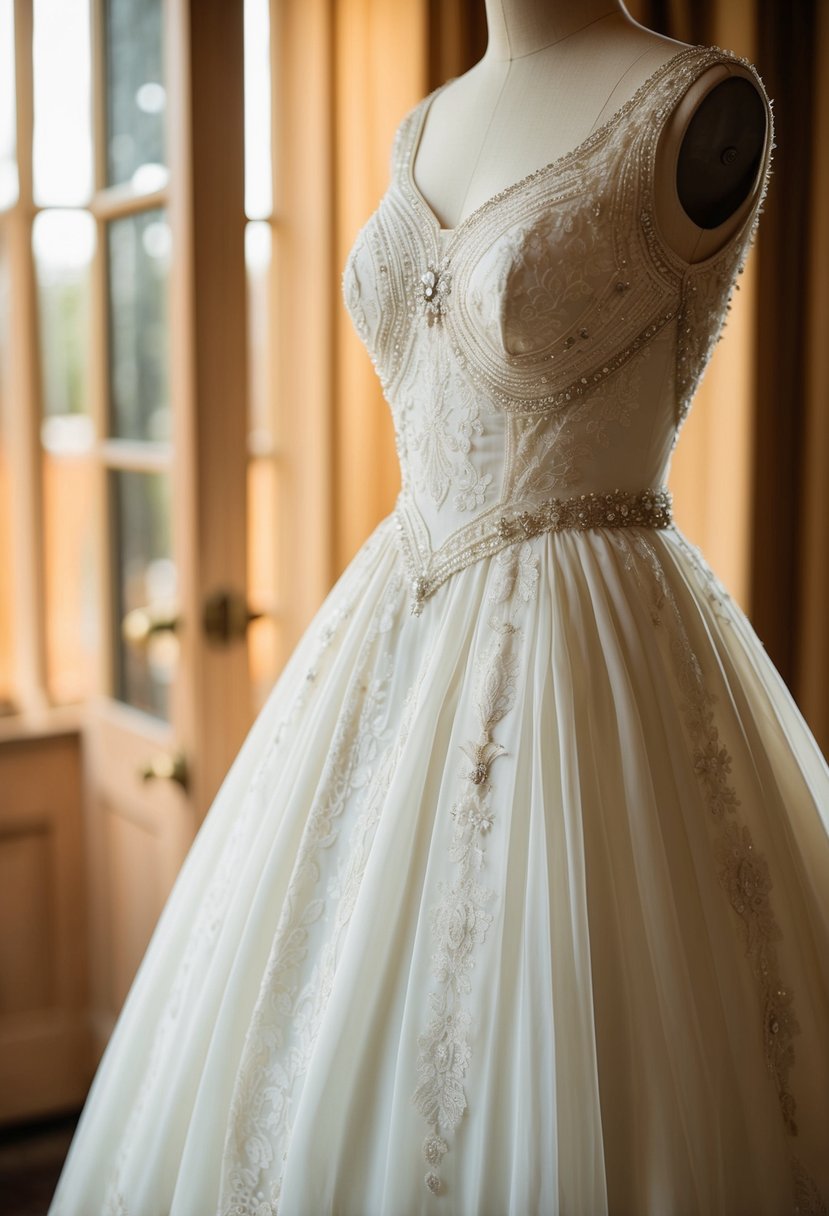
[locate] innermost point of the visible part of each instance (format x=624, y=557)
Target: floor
x=31, y=1157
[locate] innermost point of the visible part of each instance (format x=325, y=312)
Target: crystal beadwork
x=648, y=508
x=435, y=286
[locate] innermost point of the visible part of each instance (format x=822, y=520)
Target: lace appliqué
x=213, y=908
x=713, y=588
x=808, y=1201
x=461, y=918
x=553, y=451
x=280, y=1038
x=440, y=424
x=530, y=297
x=742, y=870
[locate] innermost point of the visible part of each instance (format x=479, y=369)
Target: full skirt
x=516, y=907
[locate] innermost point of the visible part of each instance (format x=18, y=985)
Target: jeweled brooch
x=435, y=286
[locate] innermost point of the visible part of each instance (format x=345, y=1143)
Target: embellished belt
x=616, y=509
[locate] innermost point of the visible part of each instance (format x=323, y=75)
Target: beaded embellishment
x=435, y=285
x=614, y=167
x=649, y=508
x=461, y=918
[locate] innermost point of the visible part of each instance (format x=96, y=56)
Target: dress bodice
x=551, y=343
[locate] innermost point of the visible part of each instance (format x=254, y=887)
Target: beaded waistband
x=426, y=571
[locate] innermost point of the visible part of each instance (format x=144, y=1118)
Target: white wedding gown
x=515, y=901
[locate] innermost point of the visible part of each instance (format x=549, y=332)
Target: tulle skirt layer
x=519, y=906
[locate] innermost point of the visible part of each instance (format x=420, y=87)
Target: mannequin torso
x=554, y=70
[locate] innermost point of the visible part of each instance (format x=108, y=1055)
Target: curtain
x=344, y=72
x=808, y=623
x=380, y=70
x=790, y=542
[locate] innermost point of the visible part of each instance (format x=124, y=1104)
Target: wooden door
x=169, y=388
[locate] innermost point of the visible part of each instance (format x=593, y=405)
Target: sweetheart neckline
x=425, y=104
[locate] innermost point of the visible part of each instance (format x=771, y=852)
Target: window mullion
x=25, y=398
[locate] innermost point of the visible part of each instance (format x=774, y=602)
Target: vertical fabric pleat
x=612, y=1057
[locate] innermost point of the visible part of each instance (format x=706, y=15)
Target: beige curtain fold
x=790, y=508
x=380, y=70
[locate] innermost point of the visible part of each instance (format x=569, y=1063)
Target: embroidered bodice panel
x=552, y=342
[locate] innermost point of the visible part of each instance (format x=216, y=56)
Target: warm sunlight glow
x=8, y=165
x=149, y=177
x=63, y=241
x=258, y=191
x=63, y=124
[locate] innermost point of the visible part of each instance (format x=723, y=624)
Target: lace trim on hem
x=461, y=918
x=742, y=870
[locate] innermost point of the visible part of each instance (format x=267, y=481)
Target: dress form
x=553, y=71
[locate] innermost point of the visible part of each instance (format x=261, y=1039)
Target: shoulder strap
x=707, y=286
x=668, y=91
x=407, y=129
x=403, y=136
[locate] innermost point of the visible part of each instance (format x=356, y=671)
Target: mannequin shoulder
x=707, y=159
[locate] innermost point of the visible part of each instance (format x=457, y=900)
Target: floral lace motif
x=440, y=424
x=567, y=327
x=218, y=893
x=742, y=870
x=808, y=1201
x=460, y=920
x=551, y=452
x=713, y=587
x=539, y=313
x=286, y=1017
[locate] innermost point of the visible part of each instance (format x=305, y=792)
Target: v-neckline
x=453, y=234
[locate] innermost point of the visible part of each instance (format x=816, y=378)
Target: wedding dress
x=515, y=900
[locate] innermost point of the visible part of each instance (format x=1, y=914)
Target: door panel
x=142, y=829
x=44, y=1034
x=169, y=347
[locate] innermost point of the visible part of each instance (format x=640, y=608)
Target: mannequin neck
x=522, y=27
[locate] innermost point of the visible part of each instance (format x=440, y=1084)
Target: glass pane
x=62, y=154
x=64, y=244
x=258, y=184
x=260, y=327
x=145, y=578
x=8, y=141
x=138, y=264
x=136, y=94
x=263, y=470
x=6, y=619
x=72, y=620
x=264, y=635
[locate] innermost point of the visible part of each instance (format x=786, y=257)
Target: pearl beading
x=662, y=289
x=648, y=508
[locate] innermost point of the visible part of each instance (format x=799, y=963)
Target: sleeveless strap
x=404, y=133
x=704, y=288
x=666, y=95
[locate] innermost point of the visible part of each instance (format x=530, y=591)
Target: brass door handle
x=141, y=624
x=226, y=616
x=167, y=767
